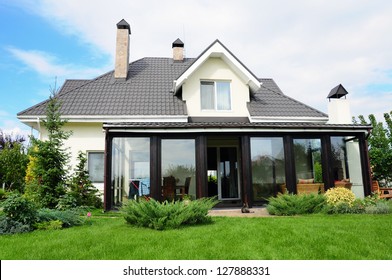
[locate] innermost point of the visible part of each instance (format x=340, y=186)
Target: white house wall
x=86, y=137
x=215, y=69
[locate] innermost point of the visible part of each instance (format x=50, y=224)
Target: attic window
x=215, y=95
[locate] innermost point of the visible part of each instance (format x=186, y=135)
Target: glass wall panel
x=346, y=164
x=268, y=167
x=307, y=154
x=130, y=169
x=178, y=168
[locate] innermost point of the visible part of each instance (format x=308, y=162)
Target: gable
x=215, y=69
x=218, y=50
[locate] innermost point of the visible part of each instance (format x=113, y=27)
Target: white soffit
x=218, y=50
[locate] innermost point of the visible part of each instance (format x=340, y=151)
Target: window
x=95, y=166
x=179, y=163
x=215, y=95
x=307, y=154
x=268, y=167
x=346, y=167
x=130, y=168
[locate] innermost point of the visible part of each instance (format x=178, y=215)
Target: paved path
x=236, y=212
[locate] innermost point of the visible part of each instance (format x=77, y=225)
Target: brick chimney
x=178, y=50
x=122, y=50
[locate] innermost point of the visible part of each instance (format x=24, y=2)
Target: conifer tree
x=47, y=170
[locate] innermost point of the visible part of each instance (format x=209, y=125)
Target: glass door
x=228, y=186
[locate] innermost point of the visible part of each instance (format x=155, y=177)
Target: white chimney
x=339, y=108
x=178, y=50
x=122, y=50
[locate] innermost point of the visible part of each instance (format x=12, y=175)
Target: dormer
x=217, y=84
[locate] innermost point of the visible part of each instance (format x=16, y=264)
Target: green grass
x=303, y=238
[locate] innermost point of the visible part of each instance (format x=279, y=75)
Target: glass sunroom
x=236, y=166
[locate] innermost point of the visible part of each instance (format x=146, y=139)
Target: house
x=209, y=124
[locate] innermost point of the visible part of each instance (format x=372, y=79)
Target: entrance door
x=223, y=178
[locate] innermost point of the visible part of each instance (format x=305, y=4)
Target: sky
x=307, y=47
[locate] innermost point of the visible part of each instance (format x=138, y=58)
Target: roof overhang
x=218, y=50
x=34, y=121
x=235, y=128
x=266, y=119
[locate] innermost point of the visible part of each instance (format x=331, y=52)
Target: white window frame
x=216, y=95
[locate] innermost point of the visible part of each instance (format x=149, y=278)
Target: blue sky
x=307, y=47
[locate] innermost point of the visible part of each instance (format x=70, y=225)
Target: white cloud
x=14, y=127
x=308, y=47
x=48, y=66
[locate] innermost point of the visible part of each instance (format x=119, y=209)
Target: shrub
x=19, y=209
x=340, y=207
x=337, y=195
x=9, y=226
x=13, y=164
x=66, y=202
x=154, y=214
x=68, y=218
x=290, y=204
x=51, y=225
x=381, y=207
x=3, y=194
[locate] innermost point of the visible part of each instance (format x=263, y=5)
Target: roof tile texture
x=148, y=92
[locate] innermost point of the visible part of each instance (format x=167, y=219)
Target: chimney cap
x=337, y=92
x=178, y=43
x=124, y=25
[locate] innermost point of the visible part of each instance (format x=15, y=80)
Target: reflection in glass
x=178, y=161
x=346, y=169
x=268, y=167
x=228, y=173
x=95, y=166
x=307, y=154
x=130, y=169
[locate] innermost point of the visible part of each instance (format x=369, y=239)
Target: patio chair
x=185, y=188
x=382, y=192
x=169, y=188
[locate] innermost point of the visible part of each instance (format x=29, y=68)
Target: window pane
x=346, y=167
x=130, y=168
x=207, y=95
x=178, y=161
x=268, y=167
x=223, y=95
x=307, y=153
x=95, y=166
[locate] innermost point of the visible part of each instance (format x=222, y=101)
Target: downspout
x=39, y=128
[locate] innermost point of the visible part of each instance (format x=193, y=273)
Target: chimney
x=122, y=50
x=178, y=50
x=339, y=108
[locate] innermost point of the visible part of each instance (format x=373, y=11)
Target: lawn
x=277, y=238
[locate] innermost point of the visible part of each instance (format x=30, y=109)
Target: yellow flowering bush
x=338, y=195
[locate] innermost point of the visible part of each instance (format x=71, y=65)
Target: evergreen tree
x=47, y=169
x=81, y=187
